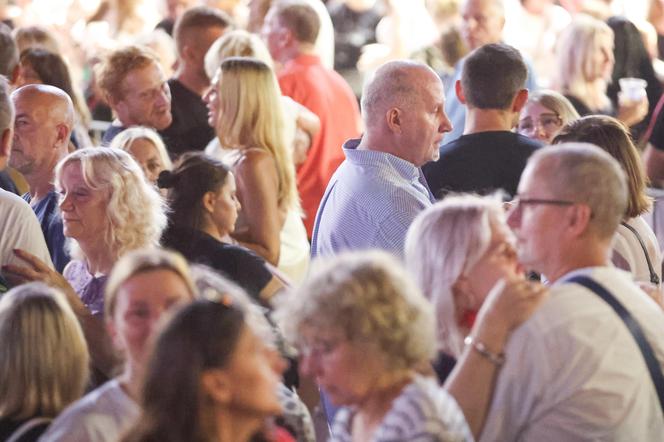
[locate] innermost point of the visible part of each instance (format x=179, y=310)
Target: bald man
x=379, y=189
x=43, y=124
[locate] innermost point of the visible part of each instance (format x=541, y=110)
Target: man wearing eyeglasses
x=488, y=156
x=574, y=371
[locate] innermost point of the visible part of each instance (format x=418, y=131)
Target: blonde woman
x=147, y=148
x=244, y=104
x=584, y=67
x=43, y=360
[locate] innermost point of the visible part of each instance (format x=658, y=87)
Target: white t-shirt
x=627, y=246
x=574, y=372
x=103, y=415
x=19, y=229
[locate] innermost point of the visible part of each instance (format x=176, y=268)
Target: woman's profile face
x=346, y=370
x=82, y=208
x=499, y=261
x=602, y=58
x=226, y=206
x=212, y=99
x=147, y=156
x=255, y=377
x=142, y=300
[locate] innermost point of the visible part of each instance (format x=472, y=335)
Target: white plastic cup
x=633, y=89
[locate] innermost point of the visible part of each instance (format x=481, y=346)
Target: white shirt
x=103, y=415
x=574, y=372
x=627, y=246
x=19, y=229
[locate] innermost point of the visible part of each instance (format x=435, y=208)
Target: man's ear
x=394, y=119
x=62, y=134
x=579, y=218
x=6, y=142
x=458, y=89
x=519, y=100
x=217, y=384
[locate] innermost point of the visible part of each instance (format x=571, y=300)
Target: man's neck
x=485, y=120
x=194, y=81
x=296, y=51
x=41, y=183
x=582, y=256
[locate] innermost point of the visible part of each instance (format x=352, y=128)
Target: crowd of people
x=344, y=220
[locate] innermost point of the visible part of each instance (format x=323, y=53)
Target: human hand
x=36, y=270
x=631, y=112
x=654, y=292
x=509, y=303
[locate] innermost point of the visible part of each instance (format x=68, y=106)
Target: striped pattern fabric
x=369, y=203
x=423, y=412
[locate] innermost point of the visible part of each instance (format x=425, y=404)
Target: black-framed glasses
x=519, y=202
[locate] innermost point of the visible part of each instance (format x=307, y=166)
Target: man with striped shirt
x=379, y=189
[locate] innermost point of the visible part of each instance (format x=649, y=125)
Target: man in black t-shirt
x=194, y=33
x=488, y=156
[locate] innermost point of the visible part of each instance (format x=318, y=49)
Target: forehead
x=535, y=109
x=481, y=7
x=142, y=78
x=155, y=284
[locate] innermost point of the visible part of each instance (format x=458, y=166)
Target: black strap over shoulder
x=654, y=279
x=635, y=329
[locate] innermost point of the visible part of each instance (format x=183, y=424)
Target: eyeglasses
x=518, y=202
x=548, y=122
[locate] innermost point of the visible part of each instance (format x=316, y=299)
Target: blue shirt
x=50, y=221
x=456, y=111
x=370, y=202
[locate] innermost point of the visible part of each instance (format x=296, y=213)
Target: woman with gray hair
x=366, y=334
x=108, y=209
x=461, y=254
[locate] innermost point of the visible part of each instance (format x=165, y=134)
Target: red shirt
x=325, y=93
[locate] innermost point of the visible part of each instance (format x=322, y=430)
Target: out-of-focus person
x=462, y=256
x=290, y=30
x=544, y=114
x=222, y=382
x=38, y=66
x=635, y=247
x=194, y=33
x=147, y=148
x=364, y=331
x=43, y=361
x=143, y=286
x=585, y=63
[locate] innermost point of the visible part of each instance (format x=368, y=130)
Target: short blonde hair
x=43, y=354
x=126, y=138
x=252, y=116
x=236, y=43
x=136, y=213
x=370, y=298
x=442, y=243
x=142, y=261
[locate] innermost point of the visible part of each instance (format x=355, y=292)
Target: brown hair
x=300, y=18
x=614, y=138
x=198, y=18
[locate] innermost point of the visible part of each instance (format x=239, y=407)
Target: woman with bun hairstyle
x=204, y=207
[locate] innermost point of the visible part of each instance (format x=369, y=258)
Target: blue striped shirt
x=369, y=203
